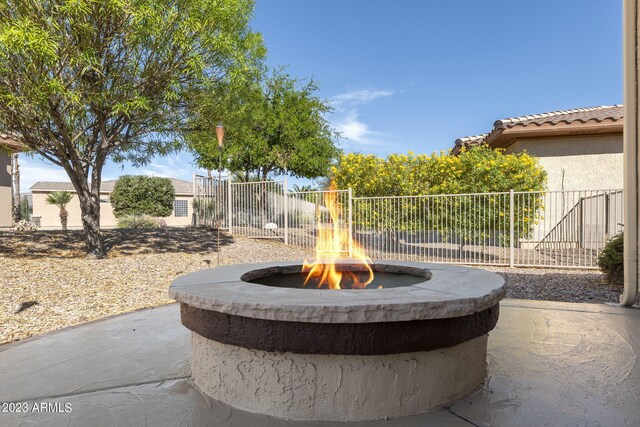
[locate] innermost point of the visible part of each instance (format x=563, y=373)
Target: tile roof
x=472, y=140
x=583, y=115
x=9, y=142
x=181, y=186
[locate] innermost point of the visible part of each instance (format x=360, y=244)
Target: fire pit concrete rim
x=452, y=291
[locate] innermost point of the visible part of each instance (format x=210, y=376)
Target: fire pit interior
x=386, y=276
x=265, y=343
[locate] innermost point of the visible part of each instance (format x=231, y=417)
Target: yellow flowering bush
x=475, y=170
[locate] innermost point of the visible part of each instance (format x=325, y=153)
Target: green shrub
x=142, y=195
x=610, y=259
x=137, y=221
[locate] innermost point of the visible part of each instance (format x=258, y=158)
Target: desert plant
x=24, y=225
x=611, y=259
x=25, y=214
x=61, y=199
x=307, y=193
x=137, y=221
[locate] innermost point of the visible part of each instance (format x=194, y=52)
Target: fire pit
x=410, y=341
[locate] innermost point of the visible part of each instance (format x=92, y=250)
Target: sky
x=418, y=74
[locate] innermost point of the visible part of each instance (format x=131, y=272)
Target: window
x=180, y=208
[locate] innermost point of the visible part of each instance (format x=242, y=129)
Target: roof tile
x=583, y=115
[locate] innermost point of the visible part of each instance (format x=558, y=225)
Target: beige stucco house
x=581, y=149
x=7, y=147
x=48, y=215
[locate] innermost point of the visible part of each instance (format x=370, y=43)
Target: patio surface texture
x=549, y=363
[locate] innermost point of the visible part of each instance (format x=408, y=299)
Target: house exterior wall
x=50, y=215
x=589, y=162
x=5, y=190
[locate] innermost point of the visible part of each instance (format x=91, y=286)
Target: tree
x=274, y=125
x=142, y=195
x=90, y=80
x=303, y=188
x=61, y=199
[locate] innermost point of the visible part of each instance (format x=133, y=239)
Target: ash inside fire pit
x=385, y=276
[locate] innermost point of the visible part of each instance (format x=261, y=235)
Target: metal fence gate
x=257, y=209
x=210, y=202
x=544, y=229
x=267, y=210
x=309, y=211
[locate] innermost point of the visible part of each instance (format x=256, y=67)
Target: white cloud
x=351, y=128
x=346, y=117
x=33, y=170
x=363, y=96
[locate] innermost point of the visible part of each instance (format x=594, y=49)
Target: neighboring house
x=7, y=147
x=48, y=215
x=581, y=149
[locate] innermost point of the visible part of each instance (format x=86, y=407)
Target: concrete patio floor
x=549, y=364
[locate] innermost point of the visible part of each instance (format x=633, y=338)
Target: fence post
x=286, y=212
x=229, y=206
x=511, y=228
x=194, y=219
x=350, y=219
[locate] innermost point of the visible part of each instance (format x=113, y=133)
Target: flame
x=332, y=244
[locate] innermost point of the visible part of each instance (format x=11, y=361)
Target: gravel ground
x=47, y=284
x=553, y=284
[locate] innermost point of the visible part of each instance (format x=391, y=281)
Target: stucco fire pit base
x=337, y=387
x=339, y=355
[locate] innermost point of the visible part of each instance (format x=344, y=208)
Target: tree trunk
x=90, y=210
x=88, y=194
x=15, y=188
x=64, y=216
x=89, y=199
